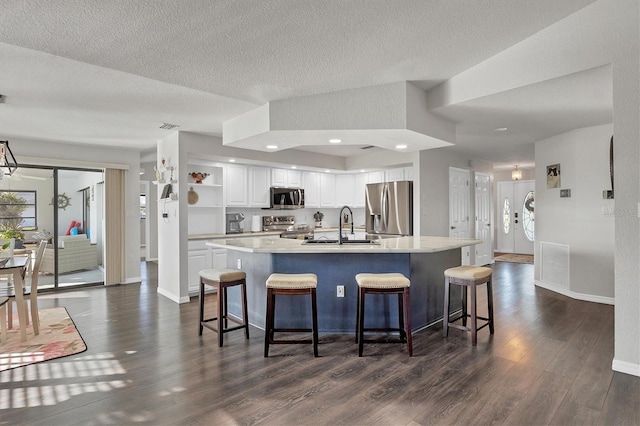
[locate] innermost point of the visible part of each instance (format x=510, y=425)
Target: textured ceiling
x=90, y=71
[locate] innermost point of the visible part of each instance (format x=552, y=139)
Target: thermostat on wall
x=565, y=193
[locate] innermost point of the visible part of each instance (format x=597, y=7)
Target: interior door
x=523, y=213
x=459, y=208
x=483, y=218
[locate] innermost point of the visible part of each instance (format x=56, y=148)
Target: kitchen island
x=422, y=259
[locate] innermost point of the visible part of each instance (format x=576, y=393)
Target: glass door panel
x=79, y=230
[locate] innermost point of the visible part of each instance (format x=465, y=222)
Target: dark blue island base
x=338, y=314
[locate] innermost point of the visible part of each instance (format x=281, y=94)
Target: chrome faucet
x=340, y=222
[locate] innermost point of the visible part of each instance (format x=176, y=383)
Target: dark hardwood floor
x=549, y=362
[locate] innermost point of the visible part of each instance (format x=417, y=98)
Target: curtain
x=114, y=226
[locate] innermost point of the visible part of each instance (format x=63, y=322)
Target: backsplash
x=303, y=216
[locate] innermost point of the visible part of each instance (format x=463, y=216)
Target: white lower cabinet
x=202, y=257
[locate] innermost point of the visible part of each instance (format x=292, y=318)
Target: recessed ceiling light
x=500, y=129
x=327, y=171
x=272, y=146
x=294, y=167
x=362, y=171
x=232, y=160
x=335, y=140
x=401, y=146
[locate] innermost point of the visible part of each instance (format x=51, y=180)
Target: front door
x=523, y=194
x=515, y=211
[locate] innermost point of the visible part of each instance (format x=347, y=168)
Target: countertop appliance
x=389, y=209
x=286, y=198
x=234, y=223
x=287, y=226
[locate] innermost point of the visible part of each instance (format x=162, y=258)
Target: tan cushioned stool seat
x=222, y=275
x=467, y=272
x=388, y=280
x=292, y=281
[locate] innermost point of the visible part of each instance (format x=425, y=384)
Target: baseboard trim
x=626, y=367
x=575, y=295
x=172, y=296
x=134, y=280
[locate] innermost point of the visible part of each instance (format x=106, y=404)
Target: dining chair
x=30, y=291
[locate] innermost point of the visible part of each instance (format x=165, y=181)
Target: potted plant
x=16, y=233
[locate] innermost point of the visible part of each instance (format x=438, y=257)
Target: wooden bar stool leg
x=465, y=312
x=407, y=320
x=201, y=301
x=269, y=322
x=314, y=313
x=445, y=318
x=245, y=314
x=358, y=317
x=222, y=293
x=361, y=323
x=490, y=305
x=403, y=334
x=474, y=316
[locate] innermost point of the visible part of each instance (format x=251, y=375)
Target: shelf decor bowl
x=198, y=177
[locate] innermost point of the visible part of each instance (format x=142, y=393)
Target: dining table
x=16, y=267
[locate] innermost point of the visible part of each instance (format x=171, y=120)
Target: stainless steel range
x=287, y=226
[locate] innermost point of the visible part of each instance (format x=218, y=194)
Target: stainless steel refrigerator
x=389, y=208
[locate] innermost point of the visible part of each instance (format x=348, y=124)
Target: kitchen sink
x=343, y=242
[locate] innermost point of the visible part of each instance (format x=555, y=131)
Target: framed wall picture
x=553, y=176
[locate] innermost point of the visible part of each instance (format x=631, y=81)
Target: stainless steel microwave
x=287, y=198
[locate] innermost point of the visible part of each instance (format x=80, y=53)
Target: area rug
x=58, y=338
x=514, y=258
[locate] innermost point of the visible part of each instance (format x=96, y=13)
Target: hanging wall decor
x=553, y=176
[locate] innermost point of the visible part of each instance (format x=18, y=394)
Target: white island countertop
x=388, y=245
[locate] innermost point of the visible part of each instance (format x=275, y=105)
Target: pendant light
x=516, y=174
x=8, y=163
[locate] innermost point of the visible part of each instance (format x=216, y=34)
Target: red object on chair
x=73, y=224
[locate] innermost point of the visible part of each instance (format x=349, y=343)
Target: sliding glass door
x=79, y=227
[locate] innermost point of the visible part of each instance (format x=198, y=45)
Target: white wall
x=578, y=222
x=434, y=189
x=73, y=155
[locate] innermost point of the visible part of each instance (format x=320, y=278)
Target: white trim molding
x=574, y=295
x=173, y=297
x=625, y=367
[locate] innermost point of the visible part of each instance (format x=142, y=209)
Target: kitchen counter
x=388, y=245
x=421, y=259
x=249, y=234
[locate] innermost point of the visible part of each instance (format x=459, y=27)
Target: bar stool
x=222, y=279
x=468, y=276
x=290, y=285
x=389, y=283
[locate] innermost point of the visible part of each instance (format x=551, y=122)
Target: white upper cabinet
x=259, y=183
x=286, y=178
x=345, y=190
x=236, y=185
x=311, y=185
x=360, y=185
x=408, y=173
x=394, y=175
x=375, y=177
x=327, y=190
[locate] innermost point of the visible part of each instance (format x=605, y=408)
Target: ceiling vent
x=167, y=126
x=368, y=147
